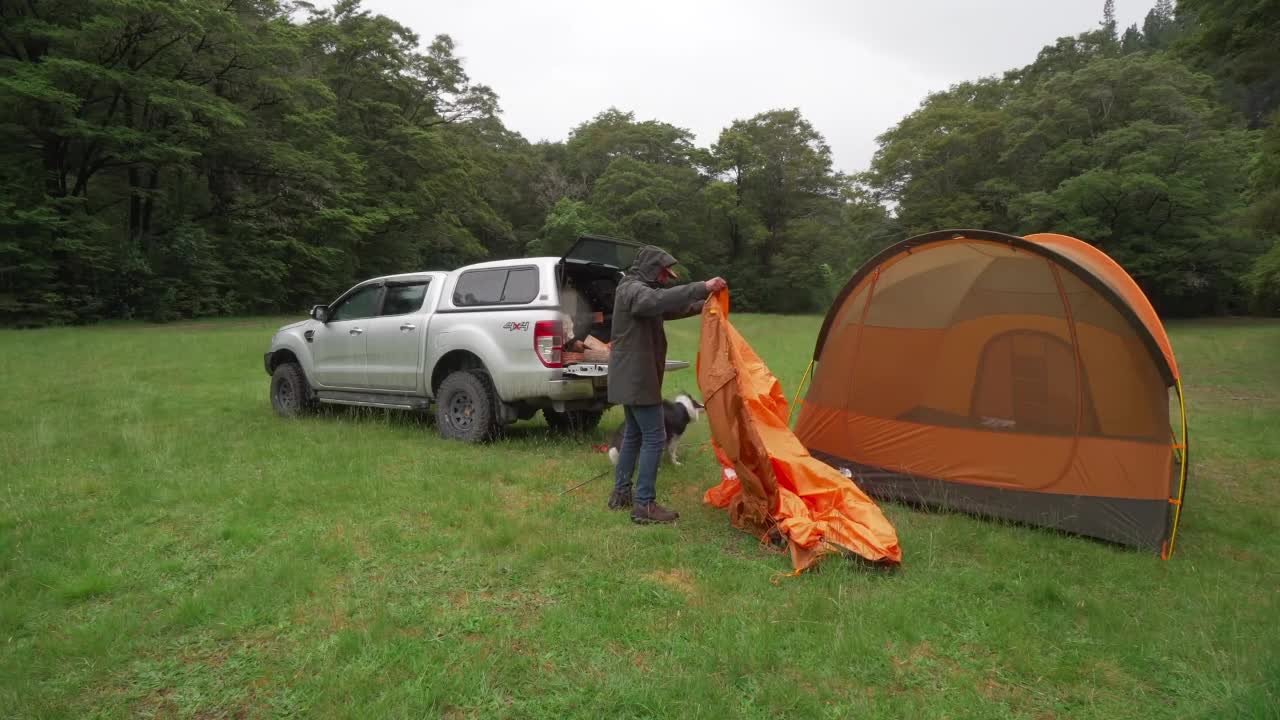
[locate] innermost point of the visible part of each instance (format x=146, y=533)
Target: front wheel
x=290, y=392
x=572, y=421
x=465, y=407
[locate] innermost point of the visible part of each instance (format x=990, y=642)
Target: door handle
x=356, y=331
x=408, y=326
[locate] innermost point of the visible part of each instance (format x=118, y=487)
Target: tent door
x=1026, y=382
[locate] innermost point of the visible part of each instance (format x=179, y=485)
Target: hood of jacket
x=649, y=262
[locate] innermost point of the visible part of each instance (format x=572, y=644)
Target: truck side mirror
x=321, y=313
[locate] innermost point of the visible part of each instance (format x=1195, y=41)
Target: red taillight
x=548, y=342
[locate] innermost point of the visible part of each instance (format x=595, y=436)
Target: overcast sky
x=852, y=67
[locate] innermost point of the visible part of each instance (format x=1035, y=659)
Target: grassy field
x=169, y=548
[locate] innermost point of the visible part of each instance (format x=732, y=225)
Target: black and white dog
x=678, y=414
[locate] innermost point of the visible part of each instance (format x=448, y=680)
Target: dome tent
x=1024, y=378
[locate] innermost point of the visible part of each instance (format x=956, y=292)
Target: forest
x=163, y=160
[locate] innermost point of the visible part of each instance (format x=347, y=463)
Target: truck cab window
x=404, y=299
x=362, y=303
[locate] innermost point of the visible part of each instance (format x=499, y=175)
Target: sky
x=852, y=67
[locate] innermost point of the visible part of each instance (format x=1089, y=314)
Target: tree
x=1106, y=39
x=652, y=203
x=781, y=169
x=1132, y=153
x=1262, y=220
x=417, y=123
x=120, y=103
x=1132, y=41
x=778, y=190
x=1159, y=29
x=568, y=220
x=1236, y=41
x=163, y=160
x=210, y=156
x=940, y=165
x=613, y=134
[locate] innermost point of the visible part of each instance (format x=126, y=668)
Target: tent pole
x=1182, y=472
x=1075, y=351
x=799, y=389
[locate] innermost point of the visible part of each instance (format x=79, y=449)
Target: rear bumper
x=572, y=389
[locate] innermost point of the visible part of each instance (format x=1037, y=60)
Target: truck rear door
x=395, y=339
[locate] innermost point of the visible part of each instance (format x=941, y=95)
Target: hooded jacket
x=638, y=359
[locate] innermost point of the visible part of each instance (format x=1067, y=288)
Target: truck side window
x=522, y=286
x=404, y=299
x=500, y=286
x=480, y=287
x=362, y=303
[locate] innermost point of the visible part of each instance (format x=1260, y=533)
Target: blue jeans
x=643, y=437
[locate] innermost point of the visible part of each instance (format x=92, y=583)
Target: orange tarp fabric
x=770, y=480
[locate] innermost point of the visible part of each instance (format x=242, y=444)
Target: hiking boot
x=652, y=513
x=619, y=499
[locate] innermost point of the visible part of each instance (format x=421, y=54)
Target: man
x=636, y=366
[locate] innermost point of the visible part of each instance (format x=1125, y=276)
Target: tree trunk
x=55, y=162
x=735, y=232
x=148, y=205
x=135, y=205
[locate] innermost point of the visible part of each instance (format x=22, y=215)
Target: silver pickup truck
x=482, y=344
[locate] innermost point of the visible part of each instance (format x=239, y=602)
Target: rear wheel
x=572, y=421
x=465, y=407
x=290, y=392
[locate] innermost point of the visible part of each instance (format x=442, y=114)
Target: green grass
x=169, y=548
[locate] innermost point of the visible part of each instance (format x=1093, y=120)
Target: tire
x=572, y=421
x=290, y=391
x=465, y=407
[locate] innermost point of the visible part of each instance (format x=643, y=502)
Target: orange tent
x=771, y=484
x=1025, y=378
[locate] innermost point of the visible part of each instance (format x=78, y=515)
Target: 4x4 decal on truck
x=514, y=326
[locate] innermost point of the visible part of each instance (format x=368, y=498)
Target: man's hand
x=715, y=285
